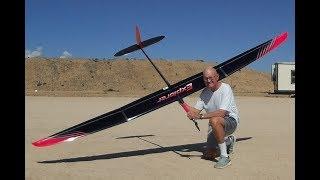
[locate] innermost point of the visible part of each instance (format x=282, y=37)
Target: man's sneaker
x=223, y=162
x=230, y=147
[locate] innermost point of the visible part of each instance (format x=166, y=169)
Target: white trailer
x=283, y=77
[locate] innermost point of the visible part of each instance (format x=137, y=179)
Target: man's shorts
x=230, y=125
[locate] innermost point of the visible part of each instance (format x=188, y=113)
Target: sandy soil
x=165, y=144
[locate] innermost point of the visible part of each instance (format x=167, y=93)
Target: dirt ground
x=162, y=144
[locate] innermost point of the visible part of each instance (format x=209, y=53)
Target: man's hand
x=192, y=115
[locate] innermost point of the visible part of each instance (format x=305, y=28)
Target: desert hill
x=85, y=77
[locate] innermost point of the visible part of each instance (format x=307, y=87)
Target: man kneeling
x=218, y=101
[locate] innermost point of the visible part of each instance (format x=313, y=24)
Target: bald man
x=217, y=100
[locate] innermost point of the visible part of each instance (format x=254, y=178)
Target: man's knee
x=215, y=121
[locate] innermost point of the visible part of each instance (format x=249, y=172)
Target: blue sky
x=211, y=30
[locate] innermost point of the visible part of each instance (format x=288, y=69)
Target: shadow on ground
x=199, y=147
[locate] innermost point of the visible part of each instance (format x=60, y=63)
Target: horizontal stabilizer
x=135, y=47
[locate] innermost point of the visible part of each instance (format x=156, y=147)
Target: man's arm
x=218, y=113
x=195, y=114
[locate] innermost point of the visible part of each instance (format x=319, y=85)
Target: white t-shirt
x=222, y=98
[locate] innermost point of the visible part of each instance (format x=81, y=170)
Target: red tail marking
x=138, y=37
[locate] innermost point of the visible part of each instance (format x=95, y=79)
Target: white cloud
x=27, y=54
x=37, y=52
x=66, y=54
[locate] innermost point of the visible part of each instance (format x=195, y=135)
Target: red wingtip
x=138, y=37
x=54, y=140
x=279, y=39
x=274, y=44
x=49, y=141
